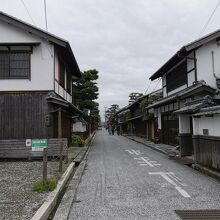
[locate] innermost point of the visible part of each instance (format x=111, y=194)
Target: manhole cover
x=199, y=214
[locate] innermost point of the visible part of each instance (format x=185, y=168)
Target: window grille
x=14, y=64
x=177, y=77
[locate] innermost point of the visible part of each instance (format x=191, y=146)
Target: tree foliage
x=85, y=92
x=110, y=112
x=150, y=100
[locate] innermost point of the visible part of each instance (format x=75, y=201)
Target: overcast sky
x=125, y=40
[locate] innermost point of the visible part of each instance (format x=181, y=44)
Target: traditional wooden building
x=191, y=73
x=205, y=137
x=36, y=73
x=134, y=119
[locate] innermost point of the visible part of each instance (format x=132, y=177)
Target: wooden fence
x=207, y=150
x=16, y=148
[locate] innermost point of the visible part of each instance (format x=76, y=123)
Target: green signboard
x=38, y=144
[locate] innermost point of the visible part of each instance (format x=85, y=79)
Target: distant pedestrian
x=118, y=130
x=113, y=129
x=109, y=129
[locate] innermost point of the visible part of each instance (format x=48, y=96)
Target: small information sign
x=28, y=142
x=39, y=144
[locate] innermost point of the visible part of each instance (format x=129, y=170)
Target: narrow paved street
x=127, y=180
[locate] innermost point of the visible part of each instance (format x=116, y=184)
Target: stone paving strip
x=17, y=200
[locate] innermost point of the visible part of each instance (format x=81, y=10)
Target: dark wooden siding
x=17, y=148
x=22, y=115
x=207, y=150
x=170, y=129
x=140, y=127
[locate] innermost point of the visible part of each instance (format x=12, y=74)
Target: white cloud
x=126, y=40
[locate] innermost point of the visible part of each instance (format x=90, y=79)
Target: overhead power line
x=157, y=85
x=209, y=19
x=29, y=14
x=148, y=87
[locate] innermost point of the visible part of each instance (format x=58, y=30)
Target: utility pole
x=45, y=14
x=105, y=115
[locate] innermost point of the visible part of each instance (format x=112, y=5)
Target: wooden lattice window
x=14, y=64
x=177, y=77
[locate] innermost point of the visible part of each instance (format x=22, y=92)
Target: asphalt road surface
x=127, y=180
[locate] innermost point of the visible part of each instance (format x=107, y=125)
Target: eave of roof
x=43, y=34
x=63, y=103
x=182, y=94
x=208, y=111
x=134, y=118
x=195, y=105
x=177, y=57
x=138, y=99
x=122, y=109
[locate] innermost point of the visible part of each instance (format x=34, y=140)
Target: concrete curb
x=44, y=211
x=195, y=166
x=48, y=206
x=69, y=198
x=70, y=194
x=206, y=171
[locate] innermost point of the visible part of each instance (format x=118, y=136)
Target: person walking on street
x=113, y=129
x=118, y=129
x=109, y=129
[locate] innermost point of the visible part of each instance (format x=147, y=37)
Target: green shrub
x=50, y=185
x=77, y=141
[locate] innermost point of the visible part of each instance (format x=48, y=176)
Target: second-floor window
x=177, y=77
x=14, y=64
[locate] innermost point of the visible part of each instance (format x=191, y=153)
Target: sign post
x=40, y=145
x=45, y=165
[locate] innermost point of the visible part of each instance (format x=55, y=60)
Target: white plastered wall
x=177, y=89
x=184, y=124
x=42, y=61
x=157, y=114
x=210, y=123
x=163, y=85
x=79, y=127
x=204, y=62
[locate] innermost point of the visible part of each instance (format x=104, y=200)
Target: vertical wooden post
x=67, y=156
x=60, y=123
x=61, y=158
x=45, y=165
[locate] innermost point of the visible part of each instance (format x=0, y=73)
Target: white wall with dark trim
x=210, y=123
x=204, y=62
x=42, y=68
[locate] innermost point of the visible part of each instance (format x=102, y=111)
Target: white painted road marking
x=175, y=178
x=132, y=151
x=143, y=161
x=167, y=177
